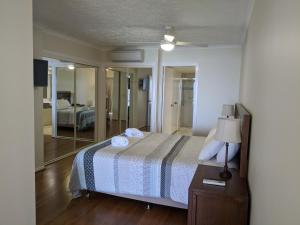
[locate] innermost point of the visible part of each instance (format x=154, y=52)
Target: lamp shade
x=228, y=130
x=228, y=110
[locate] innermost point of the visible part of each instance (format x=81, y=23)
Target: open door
x=178, y=100
x=171, y=102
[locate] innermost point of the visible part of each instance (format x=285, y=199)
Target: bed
x=85, y=115
x=157, y=168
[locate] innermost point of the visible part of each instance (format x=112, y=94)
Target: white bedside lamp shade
x=228, y=110
x=228, y=130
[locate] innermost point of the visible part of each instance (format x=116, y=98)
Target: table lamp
x=228, y=131
x=227, y=110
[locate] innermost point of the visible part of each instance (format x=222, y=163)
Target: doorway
x=69, y=109
x=128, y=99
x=178, y=100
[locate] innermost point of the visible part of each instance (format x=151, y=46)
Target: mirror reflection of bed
x=70, y=125
x=84, y=120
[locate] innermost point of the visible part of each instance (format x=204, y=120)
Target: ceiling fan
x=169, y=41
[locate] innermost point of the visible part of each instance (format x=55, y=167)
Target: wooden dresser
x=214, y=205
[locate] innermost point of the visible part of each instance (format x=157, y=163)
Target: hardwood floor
x=56, y=147
x=69, y=132
x=54, y=205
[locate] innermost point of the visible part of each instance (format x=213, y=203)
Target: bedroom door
x=178, y=101
x=171, y=101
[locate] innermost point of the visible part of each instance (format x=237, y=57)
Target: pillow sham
x=62, y=104
x=210, y=135
x=232, y=151
x=210, y=149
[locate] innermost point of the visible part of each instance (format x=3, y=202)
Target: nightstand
x=214, y=205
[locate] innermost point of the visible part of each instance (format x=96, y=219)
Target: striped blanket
x=157, y=165
x=85, y=117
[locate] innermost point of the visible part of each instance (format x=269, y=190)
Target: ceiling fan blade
x=183, y=43
x=190, y=44
x=142, y=42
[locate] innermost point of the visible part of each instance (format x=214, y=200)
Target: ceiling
x=107, y=23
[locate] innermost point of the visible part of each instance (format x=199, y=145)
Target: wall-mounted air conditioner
x=136, y=55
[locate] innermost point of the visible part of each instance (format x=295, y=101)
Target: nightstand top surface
x=236, y=186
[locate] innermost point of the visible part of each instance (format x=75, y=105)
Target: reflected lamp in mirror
x=228, y=131
x=228, y=110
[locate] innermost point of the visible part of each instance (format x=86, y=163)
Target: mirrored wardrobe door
x=65, y=97
x=85, y=110
x=124, y=101
x=113, y=122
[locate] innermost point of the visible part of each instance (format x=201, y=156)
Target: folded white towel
x=133, y=132
x=119, y=141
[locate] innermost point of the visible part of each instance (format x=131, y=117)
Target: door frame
x=195, y=92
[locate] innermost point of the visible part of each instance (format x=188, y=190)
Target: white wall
x=217, y=80
x=270, y=89
x=17, y=183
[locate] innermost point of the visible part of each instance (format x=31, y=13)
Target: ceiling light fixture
x=167, y=45
x=169, y=37
x=71, y=67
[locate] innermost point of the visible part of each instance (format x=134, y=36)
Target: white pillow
x=210, y=149
x=232, y=151
x=210, y=135
x=62, y=104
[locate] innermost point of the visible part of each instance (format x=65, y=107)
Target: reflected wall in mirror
x=128, y=99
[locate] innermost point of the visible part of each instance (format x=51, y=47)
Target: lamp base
x=226, y=175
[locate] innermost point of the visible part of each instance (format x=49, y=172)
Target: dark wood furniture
x=242, y=113
x=214, y=205
x=229, y=205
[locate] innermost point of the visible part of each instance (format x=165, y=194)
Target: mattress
x=85, y=117
x=158, y=166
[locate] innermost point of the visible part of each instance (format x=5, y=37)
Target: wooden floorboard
x=54, y=205
x=57, y=147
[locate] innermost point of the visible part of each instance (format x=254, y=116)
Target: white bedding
x=158, y=165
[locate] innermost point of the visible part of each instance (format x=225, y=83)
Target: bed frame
x=241, y=113
x=64, y=95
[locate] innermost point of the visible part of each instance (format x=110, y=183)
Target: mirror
x=128, y=99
